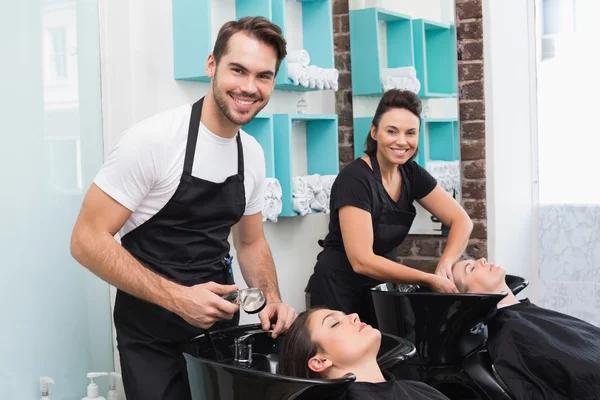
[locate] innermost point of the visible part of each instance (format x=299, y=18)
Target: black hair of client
x=298, y=348
x=391, y=99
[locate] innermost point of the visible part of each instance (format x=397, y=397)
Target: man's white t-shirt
x=145, y=164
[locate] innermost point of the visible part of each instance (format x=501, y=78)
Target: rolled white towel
x=327, y=181
x=272, y=209
x=299, y=56
x=300, y=187
x=302, y=205
x=319, y=76
x=273, y=189
x=312, y=76
x=314, y=182
x=402, y=83
x=320, y=201
x=297, y=73
x=331, y=76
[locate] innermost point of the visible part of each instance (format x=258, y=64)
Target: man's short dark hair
x=259, y=28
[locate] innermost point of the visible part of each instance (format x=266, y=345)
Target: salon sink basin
x=214, y=373
x=445, y=328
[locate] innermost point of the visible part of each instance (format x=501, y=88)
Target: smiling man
x=539, y=353
x=175, y=185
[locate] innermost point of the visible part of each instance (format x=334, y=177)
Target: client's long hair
x=298, y=348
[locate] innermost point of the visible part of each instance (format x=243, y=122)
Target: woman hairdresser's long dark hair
x=393, y=98
x=298, y=348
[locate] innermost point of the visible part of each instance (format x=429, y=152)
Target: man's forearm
x=258, y=268
x=107, y=259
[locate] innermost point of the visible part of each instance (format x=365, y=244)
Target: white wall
x=509, y=68
x=137, y=82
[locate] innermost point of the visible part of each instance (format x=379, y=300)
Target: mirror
x=410, y=45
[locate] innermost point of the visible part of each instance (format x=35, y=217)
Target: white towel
x=298, y=74
x=273, y=189
x=320, y=202
x=299, y=56
x=403, y=78
x=312, y=76
x=318, y=75
x=401, y=83
x=327, y=181
x=331, y=78
x=302, y=205
x=272, y=209
x=314, y=182
x=300, y=187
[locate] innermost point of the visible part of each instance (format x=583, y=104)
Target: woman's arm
x=357, y=234
x=440, y=204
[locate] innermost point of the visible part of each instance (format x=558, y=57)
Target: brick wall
x=423, y=251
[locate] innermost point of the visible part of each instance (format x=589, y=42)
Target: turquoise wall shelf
x=193, y=41
x=435, y=58
x=317, y=38
x=438, y=139
x=364, y=44
x=443, y=138
x=261, y=128
x=192, y=33
x=361, y=131
x=321, y=151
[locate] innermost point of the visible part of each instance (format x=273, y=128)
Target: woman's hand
x=444, y=269
x=442, y=284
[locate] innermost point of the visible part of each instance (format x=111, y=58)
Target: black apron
x=185, y=242
x=334, y=283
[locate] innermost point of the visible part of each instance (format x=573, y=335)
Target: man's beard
x=222, y=104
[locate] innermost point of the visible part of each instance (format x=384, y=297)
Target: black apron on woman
x=334, y=283
x=185, y=242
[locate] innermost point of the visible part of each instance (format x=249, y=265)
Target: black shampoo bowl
x=449, y=334
x=215, y=375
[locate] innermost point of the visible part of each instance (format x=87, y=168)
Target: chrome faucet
x=243, y=346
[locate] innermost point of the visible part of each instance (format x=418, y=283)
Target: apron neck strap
x=377, y=172
x=375, y=166
x=240, y=149
x=192, y=137
x=192, y=140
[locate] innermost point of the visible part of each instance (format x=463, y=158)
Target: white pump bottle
x=92, y=389
x=112, y=386
x=44, y=382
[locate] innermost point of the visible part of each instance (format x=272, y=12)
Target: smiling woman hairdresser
x=372, y=212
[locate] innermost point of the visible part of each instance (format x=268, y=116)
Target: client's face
x=478, y=276
x=342, y=339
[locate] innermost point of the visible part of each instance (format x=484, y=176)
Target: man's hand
x=202, y=305
x=278, y=316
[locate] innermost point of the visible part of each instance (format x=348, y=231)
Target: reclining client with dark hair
x=538, y=353
x=324, y=343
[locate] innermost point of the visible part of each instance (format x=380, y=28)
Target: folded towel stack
x=273, y=205
x=310, y=76
x=403, y=78
x=312, y=192
x=447, y=174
